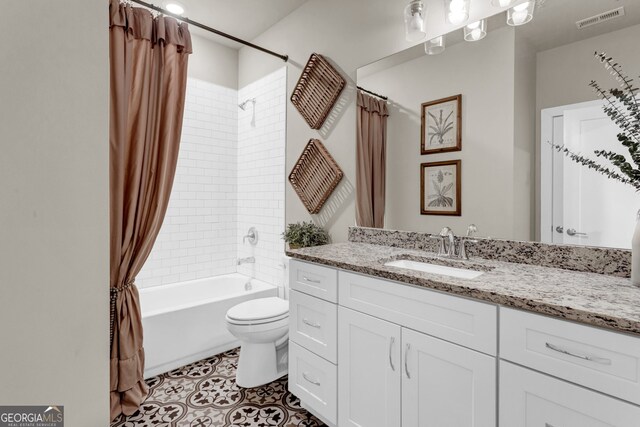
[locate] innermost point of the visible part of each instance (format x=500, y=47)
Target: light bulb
x=521, y=14
x=502, y=3
x=175, y=8
x=475, y=31
x=434, y=46
x=458, y=11
x=414, y=21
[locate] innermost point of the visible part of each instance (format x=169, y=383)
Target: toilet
x=262, y=326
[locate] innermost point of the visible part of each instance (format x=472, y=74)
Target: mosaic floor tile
x=205, y=394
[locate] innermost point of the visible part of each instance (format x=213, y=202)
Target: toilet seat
x=258, y=311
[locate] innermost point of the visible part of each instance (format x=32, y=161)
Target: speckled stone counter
x=595, y=299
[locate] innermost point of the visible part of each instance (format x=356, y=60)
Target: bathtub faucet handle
x=252, y=236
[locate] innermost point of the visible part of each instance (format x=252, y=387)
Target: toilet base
x=261, y=363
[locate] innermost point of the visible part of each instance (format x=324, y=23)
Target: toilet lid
x=259, y=309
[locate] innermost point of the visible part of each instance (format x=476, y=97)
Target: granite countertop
x=595, y=299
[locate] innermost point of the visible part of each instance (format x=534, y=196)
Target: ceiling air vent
x=604, y=16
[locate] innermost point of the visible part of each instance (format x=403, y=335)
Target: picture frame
x=441, y=125
x=440, y=188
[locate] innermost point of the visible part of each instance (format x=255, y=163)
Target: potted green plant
x=305, y=234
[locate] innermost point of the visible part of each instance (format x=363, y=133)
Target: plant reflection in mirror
x=623, y=108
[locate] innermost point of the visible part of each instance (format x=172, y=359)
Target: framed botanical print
x=441, y=125
x=440, y=188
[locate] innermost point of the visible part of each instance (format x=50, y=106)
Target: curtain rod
x=285, y=58
x=372, y=93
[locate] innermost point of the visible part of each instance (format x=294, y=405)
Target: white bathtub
x=184, y=322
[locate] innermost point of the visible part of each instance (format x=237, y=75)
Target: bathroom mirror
x=523, y=88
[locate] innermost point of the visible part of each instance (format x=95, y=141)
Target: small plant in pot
x=305, y=234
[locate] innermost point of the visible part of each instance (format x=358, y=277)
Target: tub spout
x=248, y=260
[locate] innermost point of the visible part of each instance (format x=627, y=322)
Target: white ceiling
x=245, y=19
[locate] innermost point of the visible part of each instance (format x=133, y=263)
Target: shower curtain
x=370, y=161
x=148, y=65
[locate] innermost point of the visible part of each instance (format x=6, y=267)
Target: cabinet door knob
x=391, y=342
x=406, y=356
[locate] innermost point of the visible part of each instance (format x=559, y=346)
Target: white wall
x=54, y=216
x=350, y=34
x=261, y=175
x=524, y=225
x=213, y=62
x=198, y=235
x=483, y=72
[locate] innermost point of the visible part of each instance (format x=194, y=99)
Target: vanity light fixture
x=457, y=11
x=434, y=46
x=475, y=31
x=521, y=13
x=414, y=17
x=502, y=3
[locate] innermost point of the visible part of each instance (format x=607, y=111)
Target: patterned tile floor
x=205, y=394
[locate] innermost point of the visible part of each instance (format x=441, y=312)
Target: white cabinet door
x=368, y=371
x=531, y=399
x=445, y=385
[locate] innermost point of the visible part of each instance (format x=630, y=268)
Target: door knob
x=560, y=229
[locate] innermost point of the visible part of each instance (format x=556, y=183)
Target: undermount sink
x=443, y=270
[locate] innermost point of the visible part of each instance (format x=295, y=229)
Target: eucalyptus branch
x=591, y=164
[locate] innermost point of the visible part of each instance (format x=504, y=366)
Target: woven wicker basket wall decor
x=317, y=90
x=315, y=175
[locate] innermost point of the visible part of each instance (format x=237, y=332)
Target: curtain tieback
x=113, y=298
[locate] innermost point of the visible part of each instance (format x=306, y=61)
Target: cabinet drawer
x=314, y=381
x=314, y=324
x=603, y=360
x=531, y=399
x=314, y=280
x=469, y=323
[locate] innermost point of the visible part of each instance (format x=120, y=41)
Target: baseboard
x=153, y=371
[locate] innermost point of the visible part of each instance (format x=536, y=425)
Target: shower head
x=243, y=105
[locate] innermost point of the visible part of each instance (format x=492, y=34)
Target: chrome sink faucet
x=447, y=247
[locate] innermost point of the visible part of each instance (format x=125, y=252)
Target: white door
x=585, y=207
x=445, y=385
x=531, y=399
x=368, y=371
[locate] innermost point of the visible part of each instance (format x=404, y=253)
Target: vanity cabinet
x=367, y=352
x=369, y=383
x=418, y=380
x=532, y=399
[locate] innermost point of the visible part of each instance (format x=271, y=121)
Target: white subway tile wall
x=198, y=236
x=261, y=175
x=230, y=176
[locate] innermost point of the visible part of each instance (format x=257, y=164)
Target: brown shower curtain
x=370, y=161
x=148, y=58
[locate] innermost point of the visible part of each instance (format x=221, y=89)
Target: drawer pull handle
x=306, y=377
x=391, y=342
x=406, y=356
x=599, y=360
x=310, y=280
x=310, y=323
x=548, y=425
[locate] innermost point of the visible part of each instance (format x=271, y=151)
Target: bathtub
x=185, y=322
